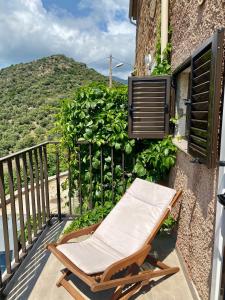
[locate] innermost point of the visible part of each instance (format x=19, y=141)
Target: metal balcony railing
x=25, y=204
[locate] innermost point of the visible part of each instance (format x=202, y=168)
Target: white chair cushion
x=132, y=220
x=124, y=230
x=91, y=255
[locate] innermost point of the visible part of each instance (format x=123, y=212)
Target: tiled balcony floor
x=37, y=276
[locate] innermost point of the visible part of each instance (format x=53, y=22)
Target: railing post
x=30, y=160
x=112, y=171
x=123, y=170
x=13, y=210
x=20, y=203
x=79, y=180
x=69, y=180
x=42, y=187
x=46, y=181
x=102, y=174
x=58, y=184
x=5, y=220
x=37, y=181
x=27, y=201
x=90, y=204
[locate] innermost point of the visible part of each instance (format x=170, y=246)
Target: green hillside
x=30, y=96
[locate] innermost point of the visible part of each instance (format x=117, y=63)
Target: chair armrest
x=136, y=258
x=74, y=234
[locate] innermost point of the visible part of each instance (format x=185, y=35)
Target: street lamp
x=111, y=68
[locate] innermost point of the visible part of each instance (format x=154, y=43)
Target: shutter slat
x=149, y=94
x=199, y=123
x=206, y=56
x=148, y=114
x=199, y=115
x=148, y=134
x=198, y=150
x=199, y=141
x=148, y=128
x=154, y=83
x=199, y=132
x=202, y=69
x=148, y=109
x=200, y=97
x=147, y=99
x=148, y=104
x=149, y=89
x=202, y=78
x=200, y=105
x=150, y=124
x=145, y=120
x=202, y=87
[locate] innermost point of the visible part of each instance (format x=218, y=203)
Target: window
x=197, y=102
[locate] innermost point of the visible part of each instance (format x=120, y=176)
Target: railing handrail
x=12, y=155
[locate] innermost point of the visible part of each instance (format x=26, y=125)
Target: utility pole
x=110, y=70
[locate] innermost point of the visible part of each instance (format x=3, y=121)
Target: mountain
x=120, y=80
x=30, y=96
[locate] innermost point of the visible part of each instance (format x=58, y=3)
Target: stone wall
x=148, y=20
x=192, y=24
x=196, y=216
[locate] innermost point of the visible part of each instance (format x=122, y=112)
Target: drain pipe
x=164, y=24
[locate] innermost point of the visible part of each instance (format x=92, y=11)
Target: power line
x=107, y=57
x=119, y=60
x=91, y=62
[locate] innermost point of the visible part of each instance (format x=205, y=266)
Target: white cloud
x=28, y=31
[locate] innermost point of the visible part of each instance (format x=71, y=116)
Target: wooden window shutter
x=149, y=102
x=206, y=79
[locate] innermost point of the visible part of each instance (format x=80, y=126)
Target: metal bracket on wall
x=187, y=101
x=166, y=108
x=221, y=199
x=196, y=160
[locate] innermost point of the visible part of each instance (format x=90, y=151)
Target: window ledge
x=181, y=144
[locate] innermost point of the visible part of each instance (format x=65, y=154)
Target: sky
x=86, y=30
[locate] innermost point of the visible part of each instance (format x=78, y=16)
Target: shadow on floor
x=163, y=245
x=25, y=278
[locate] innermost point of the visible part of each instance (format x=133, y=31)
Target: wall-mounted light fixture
x=148, y=61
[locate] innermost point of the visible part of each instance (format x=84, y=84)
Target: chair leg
x=71, y=290
x=165, y=270
x=133, y=269
x=65, y=273
x=156, y=263
x=130, y=291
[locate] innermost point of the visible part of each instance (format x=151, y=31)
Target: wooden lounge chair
x=119, y=244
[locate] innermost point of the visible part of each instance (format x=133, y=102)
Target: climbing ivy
x=163, y=61
x=99, y=115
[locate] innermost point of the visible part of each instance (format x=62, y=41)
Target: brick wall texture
x=192, y=24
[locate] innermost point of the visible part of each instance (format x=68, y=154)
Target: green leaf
x=117, y=146
x=128, y=148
